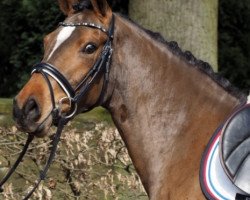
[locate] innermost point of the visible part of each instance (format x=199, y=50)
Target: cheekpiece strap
x=102, y=64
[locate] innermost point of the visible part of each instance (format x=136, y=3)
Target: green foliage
x=25, y=22
x=234, y=41
x=23, y=25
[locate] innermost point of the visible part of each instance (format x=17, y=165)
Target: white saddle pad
x=214, y=182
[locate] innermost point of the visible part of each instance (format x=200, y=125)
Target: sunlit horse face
x=73, y=50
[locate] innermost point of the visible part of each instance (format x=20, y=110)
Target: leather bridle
x=74, y=96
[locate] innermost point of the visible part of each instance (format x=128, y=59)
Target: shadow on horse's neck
x=165, y=110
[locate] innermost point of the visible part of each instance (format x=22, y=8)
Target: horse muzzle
x=27, y=117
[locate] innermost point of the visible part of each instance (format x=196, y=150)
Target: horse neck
x=160, y=105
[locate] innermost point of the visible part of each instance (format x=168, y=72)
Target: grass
x=83, y=122
x=5, y=106
x=98, y=114
x=5, y=112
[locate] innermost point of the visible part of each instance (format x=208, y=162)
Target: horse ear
x=66, y=6
x=101, y=7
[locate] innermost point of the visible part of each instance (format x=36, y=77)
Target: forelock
x=82, y=5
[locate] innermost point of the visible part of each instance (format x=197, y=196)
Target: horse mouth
x=38, y=129
x=43, y=128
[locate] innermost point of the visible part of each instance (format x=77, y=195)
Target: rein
x=73, y=95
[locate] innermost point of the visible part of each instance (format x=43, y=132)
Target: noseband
x=74, y=96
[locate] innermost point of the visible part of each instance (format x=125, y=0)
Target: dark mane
x=188, y=57
x=185, y=55
x=82, y=5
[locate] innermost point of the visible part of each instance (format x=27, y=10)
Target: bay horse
x=165, y=103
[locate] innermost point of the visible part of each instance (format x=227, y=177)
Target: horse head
x=164, y=102
x=78, y=45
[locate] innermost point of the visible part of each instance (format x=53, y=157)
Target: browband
x=75, y=95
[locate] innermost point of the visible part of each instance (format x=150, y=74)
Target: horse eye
x=90, y=48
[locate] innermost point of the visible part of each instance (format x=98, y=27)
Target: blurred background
x=220, y=28
x=95, y=165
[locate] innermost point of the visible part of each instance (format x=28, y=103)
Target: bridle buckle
x=71, y=104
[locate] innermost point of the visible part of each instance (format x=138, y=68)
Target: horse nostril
x=31, y=110
x=17, y=113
